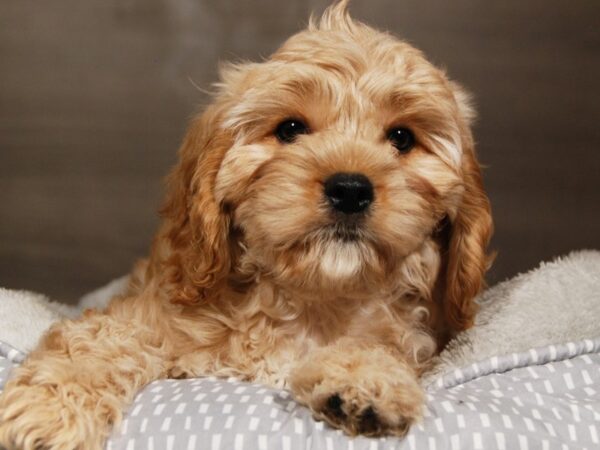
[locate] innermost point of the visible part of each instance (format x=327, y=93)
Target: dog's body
x=325, y=230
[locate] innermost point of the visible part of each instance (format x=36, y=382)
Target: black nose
x=349, y=192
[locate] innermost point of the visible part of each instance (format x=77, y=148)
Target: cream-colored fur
x=558, y=301
x=254, y=274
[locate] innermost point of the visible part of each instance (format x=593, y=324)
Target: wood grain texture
x=95, y=96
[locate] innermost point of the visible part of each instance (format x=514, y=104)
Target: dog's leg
x=360, y=388
x=70, y=391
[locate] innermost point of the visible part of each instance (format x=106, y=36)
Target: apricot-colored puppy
x=325, y=230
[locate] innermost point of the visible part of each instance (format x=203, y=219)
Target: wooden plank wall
x=95, y=96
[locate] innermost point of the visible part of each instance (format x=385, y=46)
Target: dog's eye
x=401, y=138
x=289, y=129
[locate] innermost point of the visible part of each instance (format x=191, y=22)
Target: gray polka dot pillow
x=547, y=398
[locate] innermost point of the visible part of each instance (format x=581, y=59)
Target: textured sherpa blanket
x=25, y=316
x=526, y=376
x=556, y=303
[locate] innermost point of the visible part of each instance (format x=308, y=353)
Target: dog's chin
x=342, y=256
x=342, y=259
x=337, y=258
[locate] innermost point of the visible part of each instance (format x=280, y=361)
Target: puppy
x=325, y=231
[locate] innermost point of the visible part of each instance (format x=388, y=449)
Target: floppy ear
x=469, y=234
x=196, y=256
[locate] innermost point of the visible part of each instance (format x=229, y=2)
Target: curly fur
x=249, y=274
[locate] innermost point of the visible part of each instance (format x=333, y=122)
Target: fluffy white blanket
x=25, y=316
x=556, y=303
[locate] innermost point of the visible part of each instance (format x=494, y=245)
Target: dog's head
x=341, y=164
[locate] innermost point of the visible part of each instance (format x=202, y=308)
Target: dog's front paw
x=49, y=418
x=362, y=391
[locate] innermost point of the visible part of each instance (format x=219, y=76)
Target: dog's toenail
x=403, y=426
x=368, y=421
x=334, y=406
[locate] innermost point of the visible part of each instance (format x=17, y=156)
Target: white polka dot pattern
x=546, y=398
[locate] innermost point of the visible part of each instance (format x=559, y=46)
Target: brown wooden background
x=95, y=95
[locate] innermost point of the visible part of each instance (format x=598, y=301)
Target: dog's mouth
x=344, y=231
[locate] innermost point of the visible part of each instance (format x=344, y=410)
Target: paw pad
x=368, y=422
x=333, y=407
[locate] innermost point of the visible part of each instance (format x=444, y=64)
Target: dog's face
x=331, y=164
x=346, y=156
